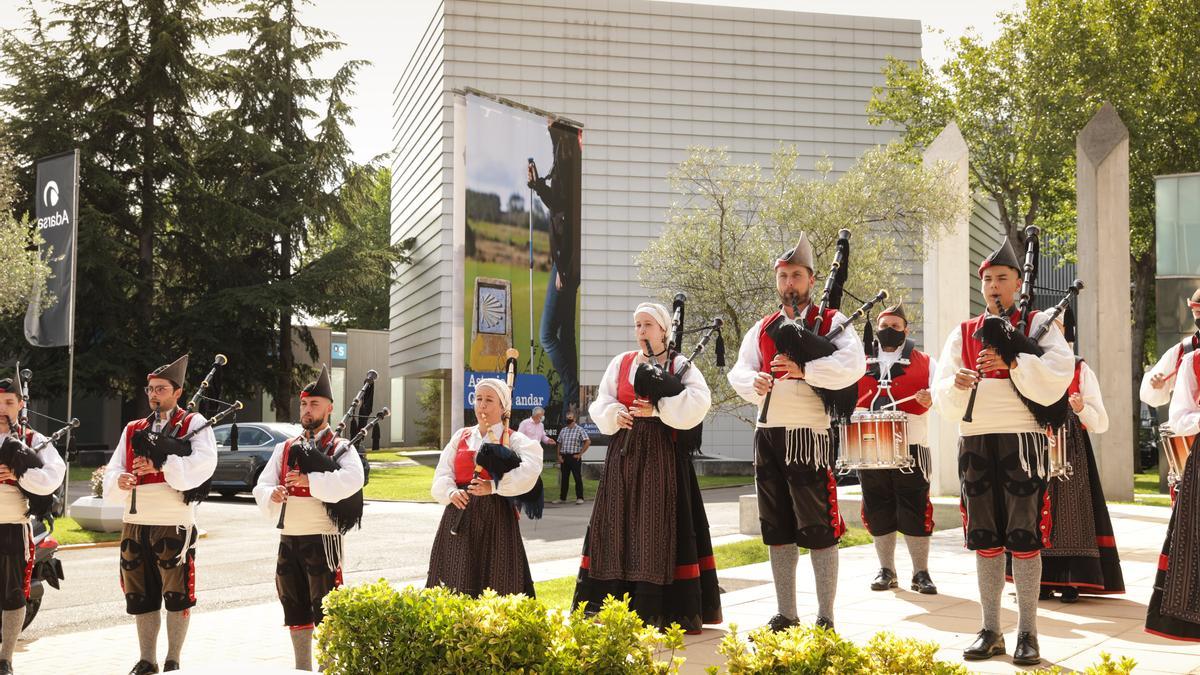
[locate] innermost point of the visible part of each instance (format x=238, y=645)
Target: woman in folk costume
x=1174, y=610
x=478, y=544
x=648, y=536
x=1082, y=557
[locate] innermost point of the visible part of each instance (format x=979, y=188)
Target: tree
x=732, y=220
x=365, y=229
x=122, y=82
x=22, y=272
x=1021, y=100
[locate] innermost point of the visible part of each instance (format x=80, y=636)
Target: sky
x=385, y=32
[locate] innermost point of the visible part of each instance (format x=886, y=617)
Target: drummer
x=1159, y=381
x=898, y=377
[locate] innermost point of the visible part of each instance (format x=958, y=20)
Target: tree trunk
x=1143, y=289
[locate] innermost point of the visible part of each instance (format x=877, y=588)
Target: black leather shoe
x=825, y=623
x=884, y=580
x=780, y=623
x=1069, y=595
x=986, y=645
x=170, y=665
x=923, y=584
x=1026, y=653
x=6, y=668
x=1045, y=593
x=144, y=667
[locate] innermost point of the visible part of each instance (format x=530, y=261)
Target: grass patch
x=78, y=473
x=557, y=593
x=551, y=476
x=1146, y=483
x=405, y=484
x=68, y=531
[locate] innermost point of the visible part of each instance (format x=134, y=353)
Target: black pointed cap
x=1004, y=256
x=321, y=387
x=174, y=372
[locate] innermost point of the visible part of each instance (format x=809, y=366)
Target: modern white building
x=647, y=80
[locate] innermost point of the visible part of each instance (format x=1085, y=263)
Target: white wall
x=647, y=80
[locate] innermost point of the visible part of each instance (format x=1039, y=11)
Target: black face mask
x=889, y=337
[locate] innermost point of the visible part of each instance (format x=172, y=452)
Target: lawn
x=557, y=593
x=411, y=483
x=67, y=531
x=1145, y=490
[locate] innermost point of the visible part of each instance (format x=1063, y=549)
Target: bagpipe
x=801, y=343
x=157, y=446
x=996, y=332
x=498, y=459
x=19, y=457
x=654, y=382
x=307, y=458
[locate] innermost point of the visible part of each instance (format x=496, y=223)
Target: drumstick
x=894, y=404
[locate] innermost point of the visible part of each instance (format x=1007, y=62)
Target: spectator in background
x=534, y=429
x=573, y=441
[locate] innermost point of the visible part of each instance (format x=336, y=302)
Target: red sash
x=136, y=426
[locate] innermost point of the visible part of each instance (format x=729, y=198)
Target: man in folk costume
x=158, y=542
x=1159, y=381
x=797, y=491
x=486, y=550
x=16, y=535
x=1174, y=609
x=1082, y=557
x=309, y=564
x=1003, y=452
x=895, y=500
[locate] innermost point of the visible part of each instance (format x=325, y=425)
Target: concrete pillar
x=947, y=298
x=1102, y=236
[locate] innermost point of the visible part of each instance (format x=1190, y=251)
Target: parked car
x=238, y=471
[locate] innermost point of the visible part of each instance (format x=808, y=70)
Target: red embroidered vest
x=971, y=346
x=766, y=346
x=136, y=426
x=327, y=443
x=464, y=459
x=913, y=377
x=625, y=392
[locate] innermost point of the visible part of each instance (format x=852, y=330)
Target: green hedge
x=377, y=629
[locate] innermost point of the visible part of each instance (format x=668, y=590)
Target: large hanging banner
x=523, y=172
x=56, y=212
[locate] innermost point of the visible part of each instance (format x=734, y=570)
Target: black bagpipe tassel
x=375, y=438
x=868, y=335
x=233, y=435
x=1069, y=325
x=720, y=350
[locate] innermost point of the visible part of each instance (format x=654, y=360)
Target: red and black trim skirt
x=689, y=596
x=1174, y=609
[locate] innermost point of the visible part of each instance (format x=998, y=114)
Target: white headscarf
x=501, y=389
x=655, y=311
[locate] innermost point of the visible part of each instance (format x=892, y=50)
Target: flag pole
x=71, y=339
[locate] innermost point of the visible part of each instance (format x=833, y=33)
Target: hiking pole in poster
x=533, y=169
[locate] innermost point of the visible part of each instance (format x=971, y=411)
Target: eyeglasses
x=160, y=389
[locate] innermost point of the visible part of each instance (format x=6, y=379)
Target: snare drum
x=1059, y=466
x=1177, y=449
x=874, y=439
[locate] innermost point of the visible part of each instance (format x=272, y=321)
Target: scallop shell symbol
x=491, y=312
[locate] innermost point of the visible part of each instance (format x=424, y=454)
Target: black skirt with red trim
x=1158, y=623
x=1089, y=575
x=692, y=597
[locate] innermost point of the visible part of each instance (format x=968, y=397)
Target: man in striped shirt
x=573, y=441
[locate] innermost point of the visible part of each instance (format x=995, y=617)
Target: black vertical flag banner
x=56, y=211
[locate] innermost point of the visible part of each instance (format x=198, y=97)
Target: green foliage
x=808, y=649
x=429, y=422
x=374, y=628
x=1106, y=666
x=730, y=221
x=22, y=273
